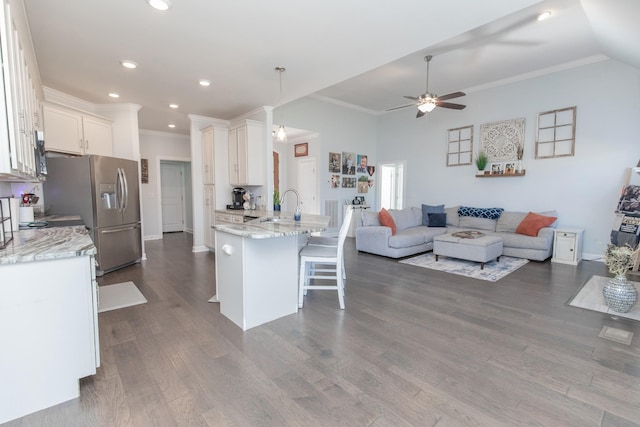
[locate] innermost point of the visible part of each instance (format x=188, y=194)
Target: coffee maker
x=237, y=198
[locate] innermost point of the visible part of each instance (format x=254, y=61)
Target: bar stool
x=313, y=256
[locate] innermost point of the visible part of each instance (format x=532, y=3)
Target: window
x=391, y=184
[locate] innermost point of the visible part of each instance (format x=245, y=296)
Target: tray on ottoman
x=479, y=249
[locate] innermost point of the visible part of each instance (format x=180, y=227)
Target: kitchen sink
x=275, y=219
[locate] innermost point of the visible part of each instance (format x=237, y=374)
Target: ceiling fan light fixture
x=427, y=107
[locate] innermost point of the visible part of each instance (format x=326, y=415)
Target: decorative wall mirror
x=460, y=146
x=556, y=133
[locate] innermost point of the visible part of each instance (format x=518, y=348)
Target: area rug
x=590, y=297
x=493, y=271
x=120, y=295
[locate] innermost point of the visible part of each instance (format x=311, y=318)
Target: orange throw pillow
x=532, y=223
x=386, y=219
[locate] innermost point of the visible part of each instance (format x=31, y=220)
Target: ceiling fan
x=428, y=101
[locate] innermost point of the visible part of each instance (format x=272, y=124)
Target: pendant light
x=281, y=134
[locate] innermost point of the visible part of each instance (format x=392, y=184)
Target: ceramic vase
x=619, y=294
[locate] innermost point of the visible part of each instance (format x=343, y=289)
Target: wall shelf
x=502, y=175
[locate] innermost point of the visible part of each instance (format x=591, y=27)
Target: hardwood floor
x=414, y=347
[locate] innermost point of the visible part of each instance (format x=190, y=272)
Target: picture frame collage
x=351, y=170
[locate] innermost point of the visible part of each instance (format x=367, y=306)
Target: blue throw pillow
x=488, y=213
x=437, y=220
x=427, y=209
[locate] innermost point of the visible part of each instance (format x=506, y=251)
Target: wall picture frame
x=301, y=150
x=496, y=168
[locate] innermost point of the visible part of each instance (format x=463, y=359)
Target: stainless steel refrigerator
x=104, y=192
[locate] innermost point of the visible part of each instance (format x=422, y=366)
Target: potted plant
x=481, y=160
x=519, y=155
x=276, y=200
x=619, y=294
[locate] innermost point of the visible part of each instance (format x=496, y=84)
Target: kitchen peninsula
x=257, y=266
x=48, y=318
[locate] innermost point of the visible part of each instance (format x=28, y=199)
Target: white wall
x=338, y=129
x=156, y=146
x=583, y=189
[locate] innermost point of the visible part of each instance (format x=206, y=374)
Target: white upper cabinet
x=19, y=104
x=246, y=154
x=75, y=132
x=207, y=156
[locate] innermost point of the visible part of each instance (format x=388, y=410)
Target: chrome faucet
x=297, y=214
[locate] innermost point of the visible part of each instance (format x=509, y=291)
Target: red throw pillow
x=533, y=222
x=386, y=219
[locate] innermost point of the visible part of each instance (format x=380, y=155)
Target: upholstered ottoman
x=475, y=247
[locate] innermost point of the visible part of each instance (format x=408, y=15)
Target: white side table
x=567, y=245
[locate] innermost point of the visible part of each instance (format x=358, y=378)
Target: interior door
x=172, y=193
x=308, y=185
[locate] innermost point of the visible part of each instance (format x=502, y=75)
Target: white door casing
x=172, y=191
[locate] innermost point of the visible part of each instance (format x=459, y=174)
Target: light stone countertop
x=262, y=229
x=47, y=243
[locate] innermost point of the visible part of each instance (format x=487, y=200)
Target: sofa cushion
x=533, y=222
x=408, y=237
x=438, y=219
x=370, y=218
x=405, y=218
x=509, y=221
x=385, y=219
x=427, y=209
x=453, y=220
x=521, y=241
x=490, y=213
x=477, y=223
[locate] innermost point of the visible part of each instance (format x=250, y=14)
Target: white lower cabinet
x=567, y=245
x=48, y=331
x=209, y=216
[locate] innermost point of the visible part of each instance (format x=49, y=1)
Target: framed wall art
x=500, y=140
x=556, y=134
x=460, y=146
x=144, y=171
x=334, y=162
x=301, y=150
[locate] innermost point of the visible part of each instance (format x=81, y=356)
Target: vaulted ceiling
x=360, y=53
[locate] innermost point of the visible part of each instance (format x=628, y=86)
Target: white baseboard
x=202, y=248
x=153, y=237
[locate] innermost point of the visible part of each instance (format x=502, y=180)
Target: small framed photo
x=510, y=168
x=301, y=150
x=497, y=168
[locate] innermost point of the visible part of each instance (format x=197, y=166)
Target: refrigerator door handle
x=119, y=230
x=119, y=190
x=125, y=187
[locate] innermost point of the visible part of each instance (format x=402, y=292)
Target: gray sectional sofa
x=412, y=237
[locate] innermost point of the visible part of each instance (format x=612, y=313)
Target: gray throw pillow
x=437, y=220
x=427, y=209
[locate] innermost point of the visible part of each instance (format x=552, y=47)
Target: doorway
x=172, y=194
x=308, y=185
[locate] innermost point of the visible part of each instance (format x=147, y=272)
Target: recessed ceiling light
x=129, y=64
x=204, y=82
x=544, y=15
x=173, y=105
x=172, y=125
x=159, y=4
x=114, y=95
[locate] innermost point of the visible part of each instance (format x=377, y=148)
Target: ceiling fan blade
x=411, y=97
x=450, y=105
x=420, y=114
x=451, y=95
x=399, y=107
